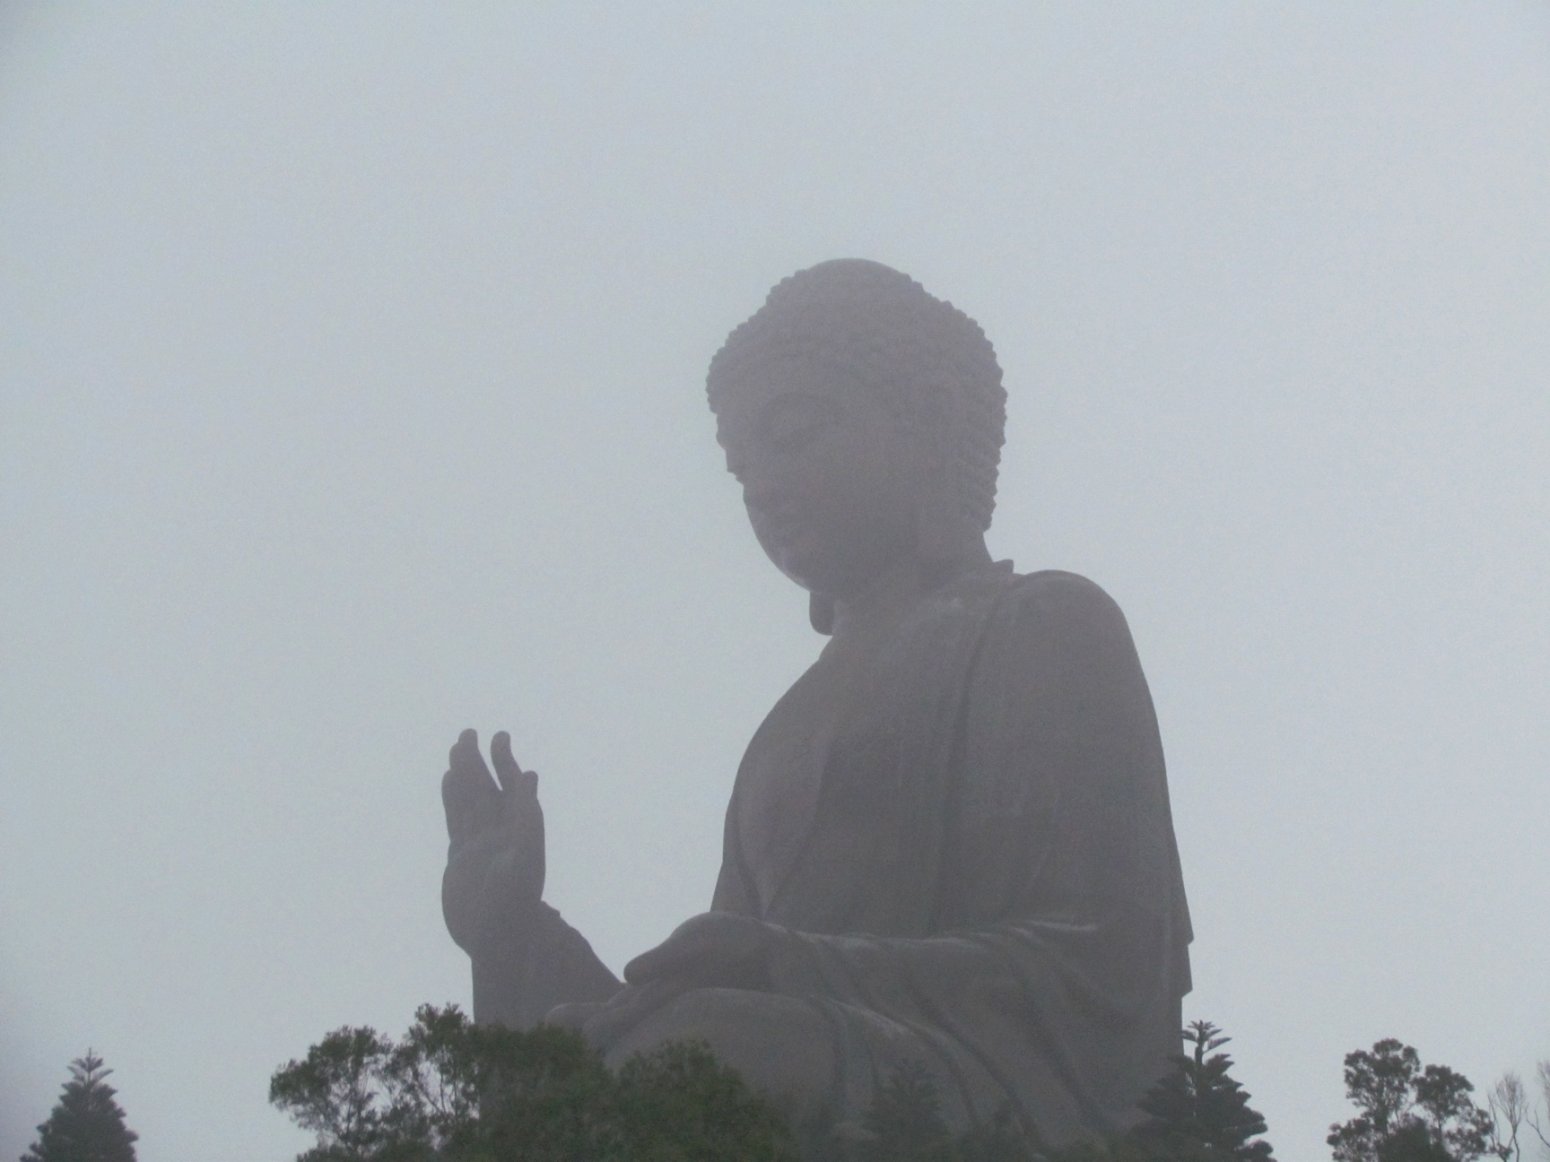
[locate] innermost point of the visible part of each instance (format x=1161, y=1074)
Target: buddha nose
x=767, y=484
x=765, y=495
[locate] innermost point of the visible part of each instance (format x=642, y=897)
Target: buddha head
x=864, y=419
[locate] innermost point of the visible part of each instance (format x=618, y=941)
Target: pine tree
x=1199, y=1112
x=87, y=1125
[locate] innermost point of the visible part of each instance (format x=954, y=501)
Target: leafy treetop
x=1409, y=1113
x=87, y=1124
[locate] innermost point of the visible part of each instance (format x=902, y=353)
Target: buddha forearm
x=517, y=980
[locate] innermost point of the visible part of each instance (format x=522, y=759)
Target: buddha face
x=830, y=480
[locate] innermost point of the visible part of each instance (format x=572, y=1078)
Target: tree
x=1543, y=1077
x=1509, y=1105
x=454, y=1091
x=1199, y=1111
x=679, y=1104
x=335, y=1094
x=87, y=1125
x=1196, y=1113
x=1452, y=1119
x=904, y=1123
x=1409, y=1113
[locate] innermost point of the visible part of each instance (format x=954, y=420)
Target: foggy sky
x=351, y=393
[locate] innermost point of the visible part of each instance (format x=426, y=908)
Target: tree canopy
x=1198, y=1110
x=454, y=1091
x=1409, y=1113
x=87, y=1124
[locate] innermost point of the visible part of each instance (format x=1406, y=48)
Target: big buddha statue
x=949, y=844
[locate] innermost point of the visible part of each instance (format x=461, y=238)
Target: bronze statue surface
x=949, y=844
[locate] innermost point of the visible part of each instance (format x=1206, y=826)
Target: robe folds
x=985, y=881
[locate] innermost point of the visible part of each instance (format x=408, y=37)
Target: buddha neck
x=896, y=590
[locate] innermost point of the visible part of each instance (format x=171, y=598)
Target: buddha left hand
x=712, y=981
x=712, y=950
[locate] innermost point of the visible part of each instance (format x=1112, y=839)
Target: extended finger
x=467, y=765
x=468, y=791
x=512, y=777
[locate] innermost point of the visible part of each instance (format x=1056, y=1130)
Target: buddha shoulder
x=1053, y=607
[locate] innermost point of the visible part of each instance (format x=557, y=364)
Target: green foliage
x=453, y=1091
x=87, y=1125
x=1115, y=1148
x=1408, y=1113
x=904, y=1123
x=679, y=1104
x=1198, y=1111
x=332, y=1093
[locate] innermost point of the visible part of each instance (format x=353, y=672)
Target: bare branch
x=1544, y=1087
x=1509, y=1105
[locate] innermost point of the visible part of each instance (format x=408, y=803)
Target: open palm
x=495, y=860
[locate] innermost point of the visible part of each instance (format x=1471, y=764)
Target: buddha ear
x=820, y=611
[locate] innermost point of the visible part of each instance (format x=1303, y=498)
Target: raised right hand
x=495, y=861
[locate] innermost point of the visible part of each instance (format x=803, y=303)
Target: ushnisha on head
x=917, y=416
x=928, y=363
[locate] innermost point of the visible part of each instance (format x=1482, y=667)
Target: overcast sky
x=351, y=393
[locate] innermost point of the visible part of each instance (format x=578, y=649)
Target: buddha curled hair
x=928, y=362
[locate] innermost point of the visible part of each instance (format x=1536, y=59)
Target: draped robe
x=975, y=868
